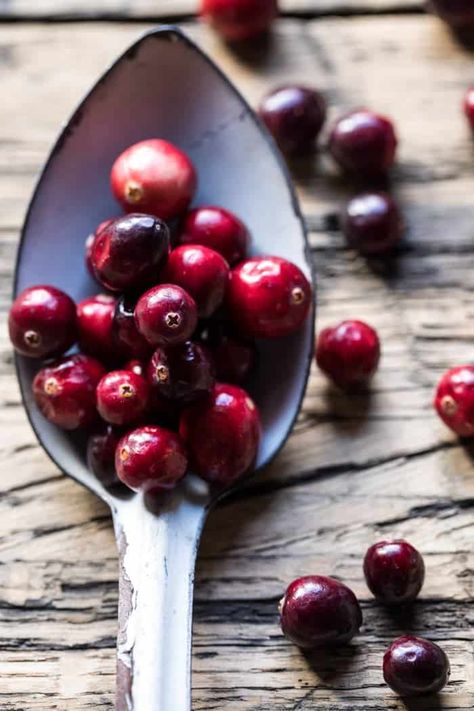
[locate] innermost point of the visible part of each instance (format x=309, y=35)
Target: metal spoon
x=163, y=86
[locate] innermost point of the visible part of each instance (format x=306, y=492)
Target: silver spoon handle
x=157, y=561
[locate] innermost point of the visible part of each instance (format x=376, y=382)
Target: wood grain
x=355, y=470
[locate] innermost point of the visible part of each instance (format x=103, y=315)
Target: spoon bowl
x=163, y=86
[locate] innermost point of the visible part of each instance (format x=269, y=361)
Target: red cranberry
x=183, y=372
x=166, y=315
x=42, y=322
x=394, y=571
x=372, y=223
x=317, y=611
x=200, y=271
x=454, y=400
x=65, y=391
x=90, y=243
x=101, y=448
x=217, y=229
x=222, y=433
x=414, y=666
x=469, y=106
x=94, y=319
x=129, y=252
x=268, y=297
x=457, y=13
x=363, y=143
x=151, y=458
x=126, y=333
x=122, y=397
x=294, y=115
x=155, y=177
x=348, y=353
x=237, y=20
x=136, y=366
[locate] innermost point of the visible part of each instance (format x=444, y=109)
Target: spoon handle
x=157, y=561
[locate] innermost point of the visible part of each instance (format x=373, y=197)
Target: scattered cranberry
x=348, y=353
x=183, y=372
x=42, y=322
x=200, y=271
x=150, y=458
x=457, y=13
x=222, y=433
x=317, y=611
x=394, y=571
x=122, y=397
x=454, y=400
x=136, y=366
x=94, y=319
x=101, y=448
x=129, y=252
x=413, y=666
x=372, y=223
x=90, y=243
x=294, y=115
x=166, y=315
x=268, y=297
x=65, y=391
x=237, y=20
x=155, y=177
x=469, y=106
x=126, y=333
x=363, y=143
x=217, y=229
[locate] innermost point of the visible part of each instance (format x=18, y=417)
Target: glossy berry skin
x=94, y=320
x=294, y=115
x=183, y=372
x=136, y=366
x=89, y=244
x=469, y=106
x=65, y=391
x=129, y=252
x=454, y=400
x=348, y=353
x=122, y=397
x=268, y=297
x=42, y=322
x=363, y=143
x=317, y=611
x=154, y=177
x=126, y=334
x=200, y=271
x=150, y=458
x=166, y=315
x=413, y=666
x=237, y=20
x=372, y=223
x=457, y=13
x=101, y=448
x=394, y=571
x=234, y=359
x=222, y=433
x=217, y=229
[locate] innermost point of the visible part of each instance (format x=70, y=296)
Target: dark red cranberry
x=126, y=334
x=129, y=252
x=122, y=397
x=94, y=319
x=469, y=106
x=101, y=448
x=155, y=177
x=413, y=666
x=372, y=223
x=183, y=372
x=151, y=458
x=363, y=143
x=136, y=366
x=42, y=322
x=89, y=244
x=166, y=315
x=457, y=13
x=237, y=20
x=217, y=229
x=200, y=271
x=454, y=400
x=317, y=611
x=222, y=433
x=268, y=297
x=394, y=571
x=65, y=391
x=294, y=115
x=348, y=353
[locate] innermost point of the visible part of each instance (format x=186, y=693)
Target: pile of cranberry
x=164, y=351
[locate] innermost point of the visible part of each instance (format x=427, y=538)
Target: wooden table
x=355, y=470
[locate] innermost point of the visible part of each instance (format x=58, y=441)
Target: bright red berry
x=469, y=106
x=126, y=334
x=394, y=571
x=237, y=20
x=348, y=353
x=454, y=400
x=183, y=372
x=166, y=315
x=90, y=243
x=413, y=666
x=372, y=223
x=217, y=229
x=122, y=397
x=294, y=115
x=101, y=448
x=94, y=319
x=154, y=177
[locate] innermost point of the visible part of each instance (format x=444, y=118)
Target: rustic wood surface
x=355, y=470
